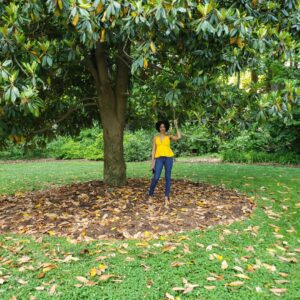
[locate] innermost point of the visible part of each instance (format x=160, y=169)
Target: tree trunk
x=254, y=80
x=238, y=79
x=114, y=163
x=113, y=92
x=254, y=76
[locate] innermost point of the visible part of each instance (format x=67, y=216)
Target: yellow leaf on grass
x=168, y=248
x=142, y=244
x=242, y=276
x=147, y=234
x=93, y=272
x=250, y=268
x=235, y=283
x=48, y=267
x=102, y=267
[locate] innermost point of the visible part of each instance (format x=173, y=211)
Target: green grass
x=275, y=188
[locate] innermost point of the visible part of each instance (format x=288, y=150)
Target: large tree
x=88, y=52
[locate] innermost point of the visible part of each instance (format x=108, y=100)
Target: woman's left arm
x=178, y=135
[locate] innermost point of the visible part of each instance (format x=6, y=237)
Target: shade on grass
x=265, y=247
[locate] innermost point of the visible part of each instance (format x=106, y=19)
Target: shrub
x=137, y=145
x=253, y=157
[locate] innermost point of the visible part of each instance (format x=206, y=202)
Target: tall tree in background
x=43, y=42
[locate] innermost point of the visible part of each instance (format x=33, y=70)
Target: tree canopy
x=60, y=56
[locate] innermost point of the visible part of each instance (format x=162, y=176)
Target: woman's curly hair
x=165, y=122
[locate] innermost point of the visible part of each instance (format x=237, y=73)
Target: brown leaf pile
x=93, y=210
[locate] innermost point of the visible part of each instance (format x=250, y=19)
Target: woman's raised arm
x=178, y=135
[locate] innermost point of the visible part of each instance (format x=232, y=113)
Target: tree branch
x=61, y=118
x=92, y=68
x=107, y=99
x=102, y=67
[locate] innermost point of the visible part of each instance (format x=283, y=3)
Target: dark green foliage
x=259, y=140
x=137, y=145
x=196, y=140
x=254, y=157
x=89, y=145
x=274, y=142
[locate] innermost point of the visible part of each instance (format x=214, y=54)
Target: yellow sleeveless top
x=163, y=147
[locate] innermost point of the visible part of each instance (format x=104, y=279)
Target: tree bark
x=238, y=79
x=113, y=93
x=254, y=80
x=254, y=76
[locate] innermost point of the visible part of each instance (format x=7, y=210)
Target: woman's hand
x=178, y=136
x=152, y=164
x=176, y=123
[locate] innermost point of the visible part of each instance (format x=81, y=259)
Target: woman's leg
x=168, y=170
x=157, y=171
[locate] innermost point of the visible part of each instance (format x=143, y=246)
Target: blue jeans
x=159, y=163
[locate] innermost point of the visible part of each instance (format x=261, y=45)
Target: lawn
x=257, y=258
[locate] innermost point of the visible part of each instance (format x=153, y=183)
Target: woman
x=162, y=155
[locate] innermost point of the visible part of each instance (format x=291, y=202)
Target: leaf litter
x=94, y=210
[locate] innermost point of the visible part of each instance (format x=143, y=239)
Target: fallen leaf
x=186, y=248
x=82, y=279
x=106, y=276
x=177, y=264
x=242, y=276
x=48, y=267
x=21, y=281
x=168, y=248
x=235, y=283
x=170, y=297
x=278, y=291
x=24, y=259
x=70, y=258
x=150, y=283
x=224, y=265
x=211, y=278
x=281, y=281
x=41, y=275
x=52, y=289
x=93, y=272
x=209, y=287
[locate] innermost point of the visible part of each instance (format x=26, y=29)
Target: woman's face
x=162, y=128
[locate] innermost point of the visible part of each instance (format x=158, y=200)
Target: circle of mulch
x=94, y=210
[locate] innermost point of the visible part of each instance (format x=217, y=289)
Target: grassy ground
x=265, y=247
